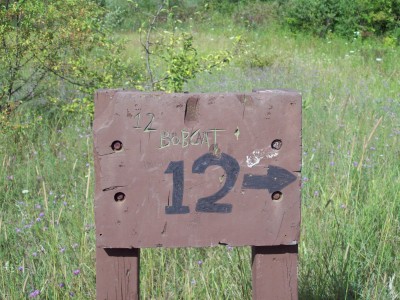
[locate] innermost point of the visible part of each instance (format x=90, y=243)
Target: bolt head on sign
x=197, y=170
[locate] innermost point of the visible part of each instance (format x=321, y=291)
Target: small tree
x=173, y=54
x=44, y=40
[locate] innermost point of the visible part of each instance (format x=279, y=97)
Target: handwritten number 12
x=205, y=204
x=147, y=128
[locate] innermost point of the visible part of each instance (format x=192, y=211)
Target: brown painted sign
x=196, y=170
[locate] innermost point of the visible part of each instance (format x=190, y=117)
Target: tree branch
x=50, y=70
x=147, y=44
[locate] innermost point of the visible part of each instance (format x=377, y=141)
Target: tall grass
x=350, y=190
x=47, y=211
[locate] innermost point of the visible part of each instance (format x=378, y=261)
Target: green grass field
x=350, y=240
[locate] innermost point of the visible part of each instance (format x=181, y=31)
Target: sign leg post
x=274, y=272
x=117, y=274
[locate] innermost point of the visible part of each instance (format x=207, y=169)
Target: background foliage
x=342, y=56
x=343, y=17
x=51, y=51
x=54, y=50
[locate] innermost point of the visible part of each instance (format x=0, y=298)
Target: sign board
x=197, y=170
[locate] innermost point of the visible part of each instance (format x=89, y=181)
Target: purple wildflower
x=34, y=294
x=20, y=268
x=200, y=262
x=61, y=285
x=316, y=193
x=76, y=272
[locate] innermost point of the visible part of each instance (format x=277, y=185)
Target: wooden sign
x=197, y=170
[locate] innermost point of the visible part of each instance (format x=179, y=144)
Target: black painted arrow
x=276, y=179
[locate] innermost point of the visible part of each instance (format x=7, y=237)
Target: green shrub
x=169, y=53
x=343, y=17
x=57, y=49
x=379, y=16
x=177, y=61
x=322, y=16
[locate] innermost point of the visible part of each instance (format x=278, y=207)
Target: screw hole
x=276, y=195
x=119, y=196
x=276, y=144
x=116, y=145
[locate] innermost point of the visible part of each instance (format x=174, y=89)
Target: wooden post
x=274, y=272
x=117, y=274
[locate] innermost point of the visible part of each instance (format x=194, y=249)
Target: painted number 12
x=205, y=204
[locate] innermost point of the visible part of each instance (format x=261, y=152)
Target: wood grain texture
x=274, y=273
x=117, y=274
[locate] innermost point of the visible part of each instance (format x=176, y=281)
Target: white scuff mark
x=257, y=155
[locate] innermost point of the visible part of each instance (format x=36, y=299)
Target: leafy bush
x=169, y=53
x=379, y=16
x=344, y=17
x=49, y=47
x=183, y=62
x=322, y=16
